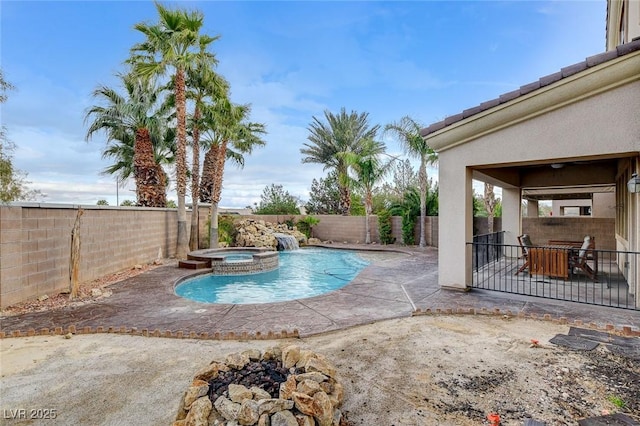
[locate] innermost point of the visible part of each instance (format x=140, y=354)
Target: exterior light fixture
x=557, y=165
x=634, y=184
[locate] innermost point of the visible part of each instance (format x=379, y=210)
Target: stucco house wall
x=585, y=113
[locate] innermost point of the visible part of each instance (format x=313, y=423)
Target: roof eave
x=601, y=77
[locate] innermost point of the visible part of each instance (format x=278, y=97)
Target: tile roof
x=565, y=72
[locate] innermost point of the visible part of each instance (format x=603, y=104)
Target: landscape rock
x=211, y=371
x=308, y=387
x=237, y=361
x=313, y=375
x=264, y=420
x=228, y=409
x=248, y=414
x=304, y=420
x=288, y=387
x=271, y=406
x=323, y=409
x=283, y=418
x=238, y=393
x=197, y=389
x=320, y=365
x=290, y=355
x=259, y=393
x=199, y=412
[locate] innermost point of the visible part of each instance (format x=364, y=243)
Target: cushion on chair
x=585, y=246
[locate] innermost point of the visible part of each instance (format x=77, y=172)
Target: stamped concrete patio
x=396, y=284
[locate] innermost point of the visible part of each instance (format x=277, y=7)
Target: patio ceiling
x=573, y=193
x=575, y=178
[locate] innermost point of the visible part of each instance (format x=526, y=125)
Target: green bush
x=408, y=228
x=384, y=227
x=291, y=222
x=226, y=229
x=306, y=224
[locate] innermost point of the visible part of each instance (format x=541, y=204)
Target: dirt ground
x=425, y=370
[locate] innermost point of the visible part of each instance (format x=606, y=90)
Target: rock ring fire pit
x=279, y=387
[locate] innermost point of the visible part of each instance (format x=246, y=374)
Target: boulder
x=199, y=412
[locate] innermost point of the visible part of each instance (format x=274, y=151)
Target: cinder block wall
x=35, y=245
x=543, y=229
x=351, y=229
x=35, y=242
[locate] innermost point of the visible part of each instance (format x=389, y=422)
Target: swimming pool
x=302, y=273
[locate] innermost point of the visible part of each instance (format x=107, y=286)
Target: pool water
x=302, y=273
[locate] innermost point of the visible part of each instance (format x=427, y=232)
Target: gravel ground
x=425, y=370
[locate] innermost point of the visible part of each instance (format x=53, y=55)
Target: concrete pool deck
x=397, y=284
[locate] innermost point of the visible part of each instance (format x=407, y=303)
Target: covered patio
x=576, y=131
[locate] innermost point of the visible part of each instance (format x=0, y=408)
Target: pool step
x=194, y=264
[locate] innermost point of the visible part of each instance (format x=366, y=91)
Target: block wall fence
x=35, y=242
x=35, y=245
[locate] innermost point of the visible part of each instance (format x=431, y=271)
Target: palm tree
x=407, y=131
x=229, y=136
x=490, y=204
x=329, y=142
x=204, y=85
x=175, y=42
x=369, y=170
x=135, y=128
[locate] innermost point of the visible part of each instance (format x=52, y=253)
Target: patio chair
x=525, y=244
x=578, y=259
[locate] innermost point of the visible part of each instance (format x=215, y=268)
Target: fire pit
x=281, y=386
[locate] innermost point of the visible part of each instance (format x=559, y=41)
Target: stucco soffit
x=590, y=82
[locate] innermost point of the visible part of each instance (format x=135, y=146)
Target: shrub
x=408, y=228
x=306, y=224
x=291, y=222
x=226, y=229
x=384, y=227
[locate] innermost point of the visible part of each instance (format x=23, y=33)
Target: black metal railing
x=486, y=248
x=563, y=272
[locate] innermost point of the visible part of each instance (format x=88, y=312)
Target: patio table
x=552, y=260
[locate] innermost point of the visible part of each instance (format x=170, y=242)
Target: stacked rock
x=258, y=233
x=241, y=390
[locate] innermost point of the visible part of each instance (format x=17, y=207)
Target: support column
x=533, y=208
x=511, y=215
x=455, y=224
x=634, y=240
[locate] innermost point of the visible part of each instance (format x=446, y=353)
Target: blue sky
x=291, y=61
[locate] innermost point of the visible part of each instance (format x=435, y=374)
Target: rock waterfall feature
x=286, y=242
x=258, y=233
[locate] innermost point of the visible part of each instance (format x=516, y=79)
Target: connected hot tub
x=237, y=260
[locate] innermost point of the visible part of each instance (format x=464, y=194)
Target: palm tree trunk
x=422, y=177
x=74, y=262
x=368, y=208
x=216, y=192
x=182, y=242
x=208, y=171
x=345, y=200
x=194, y=240
x=489, y=204
x=161, y=187
x=149, y=176
x=213, y=229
